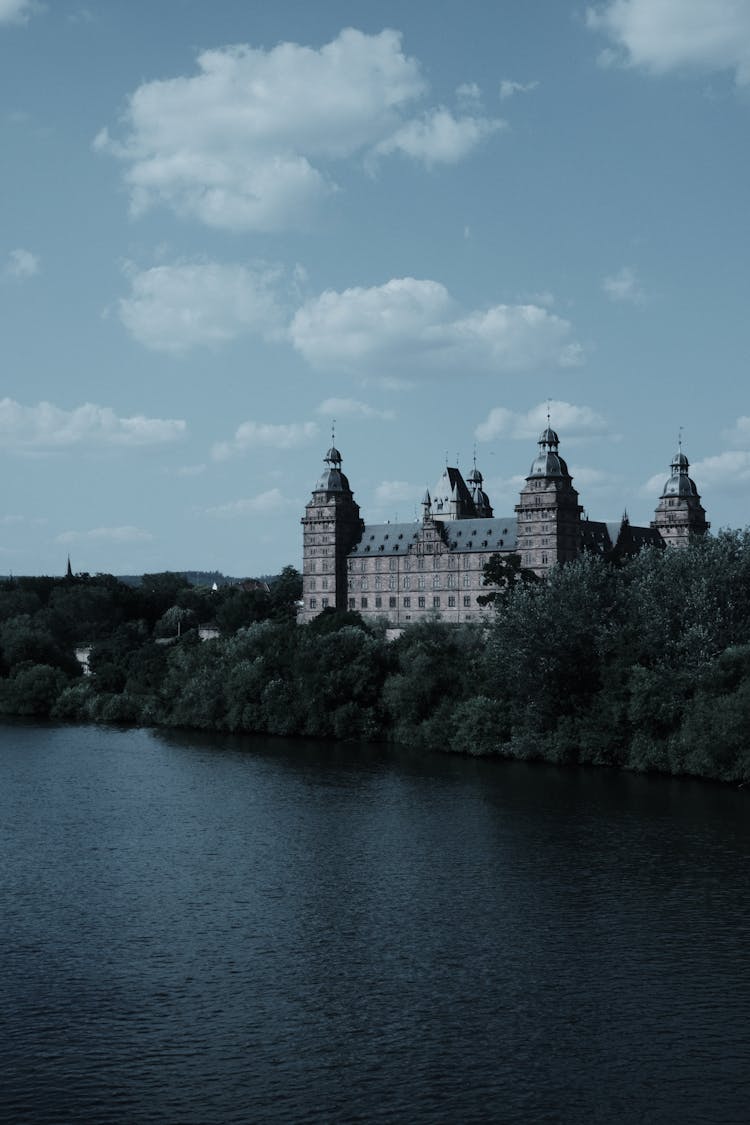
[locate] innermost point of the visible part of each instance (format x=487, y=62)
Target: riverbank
x=643, y=667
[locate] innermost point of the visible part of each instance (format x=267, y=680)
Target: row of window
x=444, y=561
x=451, y=581
x=406, y=602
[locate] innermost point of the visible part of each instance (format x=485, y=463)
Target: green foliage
x=504, y=573
x=643, y=665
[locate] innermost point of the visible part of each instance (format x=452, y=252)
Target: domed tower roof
x=548, y=462
x=332, y=479
x=679, y=483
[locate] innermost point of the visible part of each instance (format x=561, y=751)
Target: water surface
x=212, y=930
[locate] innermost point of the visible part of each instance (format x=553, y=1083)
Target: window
x=436, y=582
x=406, y=582
x=377, y=563
x=378, y=603
x=392, y=603
x=391, y=564
x=420, y=562
x=324, y=602
x=363, y=603
x=545, y=559
x=451, y=601
x=451, y=580
x=392, y=582
x=420, y=582
x=436, y=602
x=407, y=564
x=420, y=602
x=467, y=580
x=313, y=603
x=467, y=600
x=436, y=562
x=312, y=583
x=378, y=582
x=363, y=584
x=407, y=603
x=352, y=603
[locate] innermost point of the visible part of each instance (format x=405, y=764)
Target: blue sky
x=225, y=224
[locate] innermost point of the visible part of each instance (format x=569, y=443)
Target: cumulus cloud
x=18, y=11
x=265, y=502
x=265, y=435
x=408, y=326
x=624, y=287
x=173, y=308
x=509, y=89
x=251, y=141
x=438, y=137
x=48, y=427
x=570, y=422
x=729, y=470
x=125, y=534
x=21, y=264
x=666, y=35
x=351, y=408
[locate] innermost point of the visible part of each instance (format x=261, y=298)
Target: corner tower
x=549, y=515
x=679, y=513
x=331, y=526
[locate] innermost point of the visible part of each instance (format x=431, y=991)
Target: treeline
x=643, y=665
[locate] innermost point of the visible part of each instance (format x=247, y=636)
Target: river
x=215, y=930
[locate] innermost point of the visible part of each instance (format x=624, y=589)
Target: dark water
x=206, y=930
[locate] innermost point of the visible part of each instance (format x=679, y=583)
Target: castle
x=402, y=572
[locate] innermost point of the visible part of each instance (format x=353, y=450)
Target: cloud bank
x=48, y=427
x=173, y=308
x=410, y=326
x=668, y=35
x=265, y=435
x=252, y=140
x=568, y=420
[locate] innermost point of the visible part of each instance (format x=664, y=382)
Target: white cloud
x=265, y=502
x=410, y=327
x=108, y=534
x=729, y=470
x=624, y=286
x=666, y=35
x=569, y=421
x=740, y=432
x=174, y=308
x=265, y=435
x=46, y=426
x=437, y=137
x=251, y=141
x=509, y=89
x=351, y=408
x=18, y=11
x=21, y=264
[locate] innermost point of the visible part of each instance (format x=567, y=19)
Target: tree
x=504, y=572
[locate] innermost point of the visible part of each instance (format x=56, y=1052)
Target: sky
x=224, y=226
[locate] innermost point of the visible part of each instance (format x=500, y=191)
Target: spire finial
x=333, y=431
x=475, y=455
x=549, y=403
x=679, y=439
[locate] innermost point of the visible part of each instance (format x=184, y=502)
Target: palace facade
x=402, y=572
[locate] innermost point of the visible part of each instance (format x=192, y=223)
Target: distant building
x=402, y=572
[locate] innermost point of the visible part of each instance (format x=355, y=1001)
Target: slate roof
x=462, y=536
